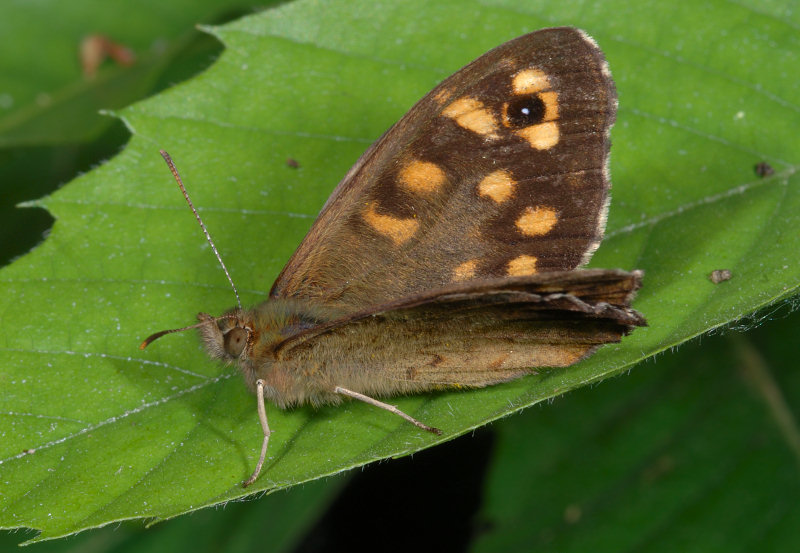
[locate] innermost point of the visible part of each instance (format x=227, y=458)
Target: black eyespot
x=235, y=341
x=525, y=111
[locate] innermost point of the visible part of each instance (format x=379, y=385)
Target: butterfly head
x=233, y=338
x=229, y=337
x=226, y=337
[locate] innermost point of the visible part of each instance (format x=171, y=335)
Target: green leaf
x=275, y=523
x=51, y=128
x=46, y=99
x=114, y=433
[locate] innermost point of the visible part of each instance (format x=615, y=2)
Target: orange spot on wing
x=471, y=114
x=550, y=100
x=465, y=271
x=498, y=185
x=422, y=176
x=522, y=266
x=399, y=230
x=530, y=81
x=536, y=221
x=542, y=136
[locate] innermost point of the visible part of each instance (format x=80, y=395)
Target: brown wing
x=499, y=171
x=470, y=334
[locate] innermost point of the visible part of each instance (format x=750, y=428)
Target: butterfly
x=448, y=255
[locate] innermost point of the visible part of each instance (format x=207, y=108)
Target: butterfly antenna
x=153, y=337
x=175, y=174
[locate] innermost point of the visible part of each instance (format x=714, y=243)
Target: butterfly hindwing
x=467, y=334
x=499, y=171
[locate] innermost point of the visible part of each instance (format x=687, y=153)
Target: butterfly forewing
x=499, y=171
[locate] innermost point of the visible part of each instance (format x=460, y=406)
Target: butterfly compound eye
x=235, y=340
x=525, y=111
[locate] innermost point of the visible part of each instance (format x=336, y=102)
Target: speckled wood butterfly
x=447, y=255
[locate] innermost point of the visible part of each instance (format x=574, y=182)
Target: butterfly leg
x=382, y=405
x=262, y=416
